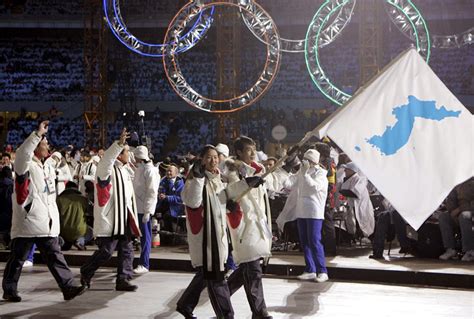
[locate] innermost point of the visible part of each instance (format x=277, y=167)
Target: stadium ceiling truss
x=261, y=22
x=418, y=30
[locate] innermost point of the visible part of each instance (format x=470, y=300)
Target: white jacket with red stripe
x=250, y=226
x=35, y=213
x=199, y=210
x=105, y=212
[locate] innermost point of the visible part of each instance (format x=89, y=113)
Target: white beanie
x=352, y=167
x=141, y=152
x=222, y=149
x=312, y=155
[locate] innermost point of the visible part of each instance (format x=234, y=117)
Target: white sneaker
x=448, y=254
x=307, y=276
x=322, y=277
x=468, y=256
x=140, y=270
x=27, y=264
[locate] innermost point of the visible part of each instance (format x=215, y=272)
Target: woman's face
x=211, y=160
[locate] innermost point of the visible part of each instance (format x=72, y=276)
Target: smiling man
x=249, y=222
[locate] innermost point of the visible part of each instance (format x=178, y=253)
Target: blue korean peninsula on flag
x=409, y=135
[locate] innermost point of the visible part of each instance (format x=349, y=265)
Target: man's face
x=211, y=160
x=100, y=153
x=172, y=172
x=269, y=164
x=42, y=150
x=247, y=154
x=124, y=156
x=5, y=161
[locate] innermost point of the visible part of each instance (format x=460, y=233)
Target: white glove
x=305, y=166
x=145, y=218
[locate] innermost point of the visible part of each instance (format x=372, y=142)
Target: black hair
x=241, y=141
x=206, y=149
x=71, y=184
x=7, y=155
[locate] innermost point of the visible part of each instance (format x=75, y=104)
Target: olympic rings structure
x=260, y=20
x=329, y=20
x=327, y=35
x=120, y=31
x=313, y=36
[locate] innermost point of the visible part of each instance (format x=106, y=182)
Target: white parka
x=308, y=195
x=363, y=209
x=250, y=227
x=104, y=204
x=145, y=183
x=198, y=211
x=87, y=173
x=35, y=213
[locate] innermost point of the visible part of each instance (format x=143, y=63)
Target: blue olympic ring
x=150, y=49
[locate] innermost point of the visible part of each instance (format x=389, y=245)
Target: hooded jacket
x=250, y=226
x=308, y=195
x=35, y=213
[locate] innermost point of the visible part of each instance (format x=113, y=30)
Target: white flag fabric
x=409, y=135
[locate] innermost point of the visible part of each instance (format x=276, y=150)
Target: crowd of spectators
x=51, y=69
x=186, y=131
x=35, y=69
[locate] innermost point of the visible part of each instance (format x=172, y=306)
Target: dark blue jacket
x=173, y=202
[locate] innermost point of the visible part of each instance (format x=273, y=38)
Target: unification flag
x=409, y=135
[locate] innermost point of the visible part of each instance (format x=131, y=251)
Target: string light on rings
x=120, y=31
x=412, y=16
x=262, y=24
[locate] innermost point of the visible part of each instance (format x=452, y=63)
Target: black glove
x=231, y=206
x=198, y=170
x=291, y=162
x=293, y=150
x=254, y=181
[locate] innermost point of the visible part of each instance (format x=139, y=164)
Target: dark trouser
x=145, y=242
x=107, y=247
x=310, y=240
x=329, y=233
x=169, y=222
x=384, y=220
x=249, y=275
x=218, y=294
x=51, y=252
